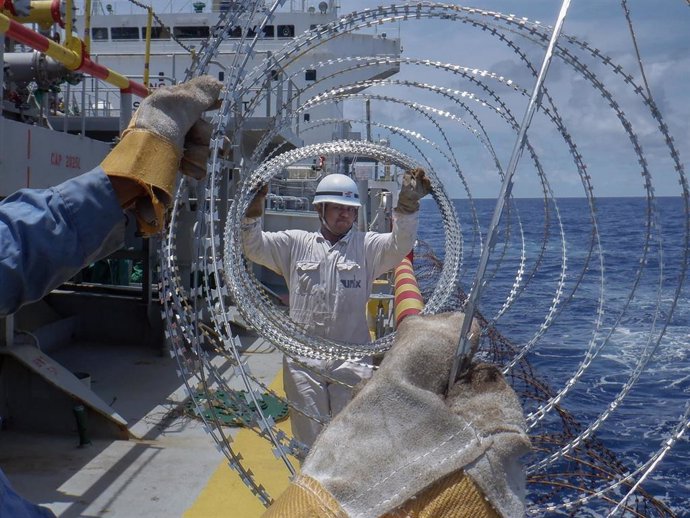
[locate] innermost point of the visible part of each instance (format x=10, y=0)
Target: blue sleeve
x=48, y=235
x=14, y=506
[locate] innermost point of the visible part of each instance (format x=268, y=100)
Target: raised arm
x=385, y=251
x=269, y=249
x=48, y=235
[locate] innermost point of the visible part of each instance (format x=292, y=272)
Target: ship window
x=307, y=117
x=125, y=33
x=286, y=31
x=191, y=32
x=310, y=75
x=236, y=32
x=158, y=33
x=269, y=31
x=99, y=33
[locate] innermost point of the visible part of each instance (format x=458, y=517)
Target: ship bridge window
x=99, y=33
x=236, y=32
x=310, y=75
x=286, y=31
x=158, y=33
x=124, y=33
x=191, y=32
x=269, y=31
x=225, y=5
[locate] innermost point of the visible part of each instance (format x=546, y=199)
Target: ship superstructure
x=118, y=41
x=63, y=122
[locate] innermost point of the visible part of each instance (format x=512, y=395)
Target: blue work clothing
x=14, y=506
x=48, y=235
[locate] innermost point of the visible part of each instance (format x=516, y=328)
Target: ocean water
x=613, y=281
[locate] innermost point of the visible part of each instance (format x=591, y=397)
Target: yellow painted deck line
x=226, y=495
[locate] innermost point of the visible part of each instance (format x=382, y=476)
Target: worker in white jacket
x=329, y=275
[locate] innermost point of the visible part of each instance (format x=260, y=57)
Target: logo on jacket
x=351, y=283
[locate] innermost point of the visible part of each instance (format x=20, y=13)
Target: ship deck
x=172, y=469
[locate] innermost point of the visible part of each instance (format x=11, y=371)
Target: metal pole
x=87, y=26
x=147, y=53
x=9, y=330
x=66, y=56
x=279, y=96
x=69, y=15
x=268, y=95
x=297, y=124
x=125, y=110
x=267, y=82
x=94, y=83
x=66, y=103
x=83, y=107
x=147, y=274
x=288, y=108
x=463, y=353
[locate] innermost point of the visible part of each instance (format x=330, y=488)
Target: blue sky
x=662, y=29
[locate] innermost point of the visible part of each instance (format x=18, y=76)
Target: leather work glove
x=166, y=134
x=256, y=207
x=402, y=448
x=415, y=185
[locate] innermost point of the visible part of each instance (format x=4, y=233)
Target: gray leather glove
x=174, y=113
x=256, y=207
x=415, y=185
x=166, y=128
x=400, y=436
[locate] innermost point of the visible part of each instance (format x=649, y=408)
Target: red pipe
x=9, y=6
x=69, y=58
x=55, y=12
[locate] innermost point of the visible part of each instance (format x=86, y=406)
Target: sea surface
x=606, y=279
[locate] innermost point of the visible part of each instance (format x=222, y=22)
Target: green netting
x=233, y=409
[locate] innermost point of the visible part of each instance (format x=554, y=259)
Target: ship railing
x=273, y=103
x=278, y=96
x=302, y=188
x=92, y=98
x=279, y=203
x=95, y=98
x=375, y=171
x=173, y=7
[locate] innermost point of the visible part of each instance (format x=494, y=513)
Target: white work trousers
x=318, y=395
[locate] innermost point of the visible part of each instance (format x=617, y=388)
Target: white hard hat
x=337, y=188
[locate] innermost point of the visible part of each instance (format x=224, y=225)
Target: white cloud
x=663, y=39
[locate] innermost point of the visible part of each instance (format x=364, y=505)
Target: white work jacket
x=330, y=284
